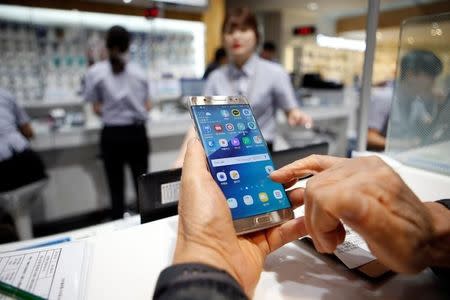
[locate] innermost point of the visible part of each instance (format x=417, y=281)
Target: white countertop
x=159, y=125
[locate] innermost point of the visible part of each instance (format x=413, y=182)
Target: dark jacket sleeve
x=196, y=281
x=443, y=273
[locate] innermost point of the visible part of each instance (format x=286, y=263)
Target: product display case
x=44, y=53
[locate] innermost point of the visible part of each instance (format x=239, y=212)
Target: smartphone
x=240, y=162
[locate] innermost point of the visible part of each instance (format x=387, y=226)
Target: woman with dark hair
x=119, y=93
x=265, y=84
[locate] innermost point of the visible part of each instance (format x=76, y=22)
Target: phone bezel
x=256, y=222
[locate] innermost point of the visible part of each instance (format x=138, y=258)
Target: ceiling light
x=127, y=1
x=340, y=43
x=312, y=6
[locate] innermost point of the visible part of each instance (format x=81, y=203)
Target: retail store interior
x=47, y=48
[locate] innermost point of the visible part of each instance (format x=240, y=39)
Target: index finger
x=309, y=165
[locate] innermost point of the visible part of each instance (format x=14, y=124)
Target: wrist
x=191, y=252
x=440, y=241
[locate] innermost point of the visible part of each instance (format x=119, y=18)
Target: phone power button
x=263, y=220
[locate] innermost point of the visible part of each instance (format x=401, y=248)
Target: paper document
x=353, y=252
x=56, y=272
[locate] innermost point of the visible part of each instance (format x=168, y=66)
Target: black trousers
x=21, y=169
x=121, y=146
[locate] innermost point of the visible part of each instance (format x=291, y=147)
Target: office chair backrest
x=158, y=194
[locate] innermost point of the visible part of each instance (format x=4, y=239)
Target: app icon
x=248, y=200
x=257, y=139
x=235, y=112
x=235, y=142
x=229, y=127
x=251, y=125
x=206, y=129
x=246, y=140
x=277, y=194
x=218, y=127
x=263, y=197
x=223, y=143
x=211, y=143
x=241, y=126
x=246, y=112
x=234, y=175
x=232, y=203
x=221, y=176
x=208, y=114
x=224, y=113
x=269, y=169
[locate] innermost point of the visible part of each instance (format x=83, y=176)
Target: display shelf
x=44, y=53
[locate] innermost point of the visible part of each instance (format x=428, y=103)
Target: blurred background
x=46, y=48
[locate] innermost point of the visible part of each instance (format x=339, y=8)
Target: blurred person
x=266, y=85
x=119, y=93
x=19, y=164
x=211, y=262
x=220, y=58
x=415, y=105
x=269, y=51
x=378, y=118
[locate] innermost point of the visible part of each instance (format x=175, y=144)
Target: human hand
x=205, y=228
x=371, y=198
x=297, y=117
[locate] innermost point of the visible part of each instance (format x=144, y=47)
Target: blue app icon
x=206, y=128
x=241, y=126
x=246, y=112
x=211, y=143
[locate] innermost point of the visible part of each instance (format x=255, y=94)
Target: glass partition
x=419, y=126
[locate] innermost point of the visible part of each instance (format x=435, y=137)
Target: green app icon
x=246, y=140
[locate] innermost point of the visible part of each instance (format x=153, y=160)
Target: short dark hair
x=241, y=17
x=220, y=53
x=420, y=61
x=118, y=37
x=269, y=46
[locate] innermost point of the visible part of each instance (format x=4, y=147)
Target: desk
x=134, y=257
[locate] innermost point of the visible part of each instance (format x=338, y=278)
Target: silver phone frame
x=257, y=222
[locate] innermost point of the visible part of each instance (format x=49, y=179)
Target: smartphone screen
x=239, y=159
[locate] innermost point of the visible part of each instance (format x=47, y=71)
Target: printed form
x=56, y=272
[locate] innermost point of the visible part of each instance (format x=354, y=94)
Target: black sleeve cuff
x=445, y=202
x=175, y=278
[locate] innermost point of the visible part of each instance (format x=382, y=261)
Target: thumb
x=194, y=159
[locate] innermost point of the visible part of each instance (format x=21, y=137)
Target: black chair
x=158, y=195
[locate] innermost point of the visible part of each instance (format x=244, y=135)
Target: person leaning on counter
x=19, y=164
x=266, y=85
x=211, y=262
x=119, y=93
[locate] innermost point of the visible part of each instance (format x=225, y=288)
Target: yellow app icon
x=263, y=197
